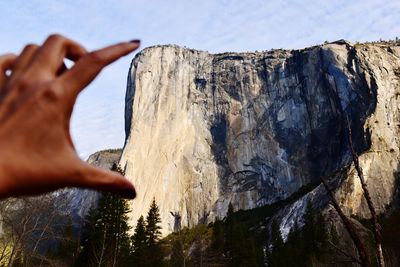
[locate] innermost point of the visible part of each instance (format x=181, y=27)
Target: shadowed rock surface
x=203, y=130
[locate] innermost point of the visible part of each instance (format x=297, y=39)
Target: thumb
x=107, y=181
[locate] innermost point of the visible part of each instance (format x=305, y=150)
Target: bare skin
x=36, y=101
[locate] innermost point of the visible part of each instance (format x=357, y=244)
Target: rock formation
x=105, y=159
x=82, y=199
x=203, y=130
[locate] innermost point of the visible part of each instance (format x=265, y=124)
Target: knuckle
x=51, y=94
x=55, y=37
x=8, y=55
x=7, y=59
x=31, y=46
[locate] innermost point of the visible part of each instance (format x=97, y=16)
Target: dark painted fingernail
x=129, y=193
x=135, y=41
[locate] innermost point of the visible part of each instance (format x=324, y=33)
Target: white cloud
x=214, y=26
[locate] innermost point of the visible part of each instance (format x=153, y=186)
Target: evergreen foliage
x=277, y=256
x=309, y=229
x=105, y=238
x=303, y=246
x=153, y=220
x=218, y=236
x=321, y=235
x=139, y=243
x=239, y=249
x=178, y=255
x=68, y=248
x=154, y=253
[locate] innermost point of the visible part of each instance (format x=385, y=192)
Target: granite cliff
x=204, y=130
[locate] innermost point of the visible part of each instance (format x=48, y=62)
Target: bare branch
x=375, y=223
x=350, y=229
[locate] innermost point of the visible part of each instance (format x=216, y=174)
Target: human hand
x=36, y=101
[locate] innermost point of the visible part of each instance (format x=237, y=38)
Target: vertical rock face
x=203, y=130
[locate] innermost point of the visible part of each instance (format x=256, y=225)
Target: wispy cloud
x=214, y=26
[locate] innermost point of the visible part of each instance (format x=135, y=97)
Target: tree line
x=231, y=242
x=38, y=231
x=35, y=232
x=105, y=239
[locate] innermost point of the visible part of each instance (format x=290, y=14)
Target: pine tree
x=68, y=248
x=309, y=229
x=294, y=247
x=153, y=235
x=105, y=238
x=240, y=250
x=153, y=220
x=177, y=256
x=120, y=239
x=215, y=251
x=277, y=256
x=268, y=252
x=321, y=235
x=217, y=236
x=248, y=253
x=90, y=236
x=139, y=242
x=230, y=223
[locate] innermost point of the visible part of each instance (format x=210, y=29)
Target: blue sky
x=214, y=26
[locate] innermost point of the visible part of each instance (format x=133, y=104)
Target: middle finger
x=23, y=60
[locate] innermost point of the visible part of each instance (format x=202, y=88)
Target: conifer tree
x=321, y=235
x=268, y=252
x=277, y=257
x=276, y=236
x=177, y=256
x=153, y=235
x=153, y=220
x=294, y=247
x=217, y=236
x=308, y=235
x=248, y=253
x=230, y=224
x=68, y=248
x=230, y=237
x=240, y=250
x=91, y=234
x=105, y=237
x=314, y=235
x=215, y=250
x=139, y=243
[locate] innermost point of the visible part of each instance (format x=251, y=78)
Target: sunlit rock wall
x=203, y=130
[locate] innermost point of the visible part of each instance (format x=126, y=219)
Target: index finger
x=89, y=66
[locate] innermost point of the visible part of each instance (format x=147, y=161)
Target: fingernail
x=129, y=193
x=135, y=41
